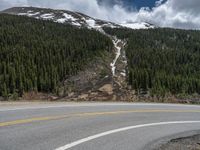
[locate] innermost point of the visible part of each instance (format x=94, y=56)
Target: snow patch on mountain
x=137, y=25
x=76, y=24
x=47, y=16
x=61, y=20
x=73, y=18
x=69, y=17
x=91, y=22
x=29, y=13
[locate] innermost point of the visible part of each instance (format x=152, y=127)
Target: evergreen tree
x=37, y=55
x=162, y=60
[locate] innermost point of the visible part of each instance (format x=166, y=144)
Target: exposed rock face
x=107, y=88
x=104, y=80
x=83, y=96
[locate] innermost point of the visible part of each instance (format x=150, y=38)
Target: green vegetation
x=162, y=61
x=37, y=55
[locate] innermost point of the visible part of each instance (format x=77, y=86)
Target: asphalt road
x=93, y=126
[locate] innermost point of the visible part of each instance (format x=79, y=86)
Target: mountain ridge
x=73, y=18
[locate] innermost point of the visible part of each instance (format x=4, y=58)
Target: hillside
x=37, y=55
x=73, y=56
x=162, y=62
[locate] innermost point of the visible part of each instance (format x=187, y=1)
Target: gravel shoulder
x=183, y=143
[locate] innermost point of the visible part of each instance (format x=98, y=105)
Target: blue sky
x=141, y=3
x=130, y=4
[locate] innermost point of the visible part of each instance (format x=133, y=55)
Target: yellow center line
x=48, y=118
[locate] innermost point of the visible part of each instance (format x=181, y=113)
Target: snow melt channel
x=118, y=53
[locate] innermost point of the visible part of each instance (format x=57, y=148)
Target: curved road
x=93, y=126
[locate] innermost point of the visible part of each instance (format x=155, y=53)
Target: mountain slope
x=163, y=62
x=114, y=65
x=37, y=55
x=73, y=18
x=60, y=16
x=151, y=64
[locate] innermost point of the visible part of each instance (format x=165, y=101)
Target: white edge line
x=73, y=144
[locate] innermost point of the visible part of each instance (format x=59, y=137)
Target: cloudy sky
x=166, y=13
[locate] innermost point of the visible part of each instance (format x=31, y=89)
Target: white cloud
x=159, y=2
x=11, y=3
x=111, y=10
x=173, y=13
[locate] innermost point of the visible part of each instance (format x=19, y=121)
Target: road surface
x=93, y=126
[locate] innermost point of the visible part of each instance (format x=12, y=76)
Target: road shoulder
x=184, y=141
